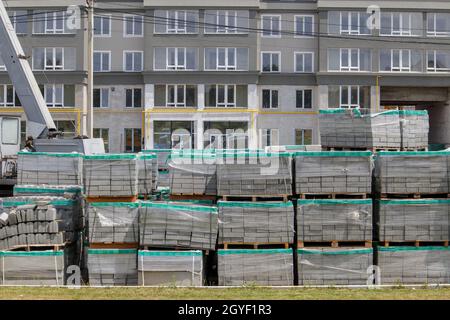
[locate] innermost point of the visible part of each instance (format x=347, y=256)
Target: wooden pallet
x=112, y=199
x=254, y=245
x=334, y=195
x=335, y=244
x=416, y=243
x=38, y=247
x=328, y=148
x=175, y=197
x=256, y=198
x=414, y=195
x=414, y=149
x=131, y=245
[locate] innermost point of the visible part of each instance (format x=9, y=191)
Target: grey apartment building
x=232, y=74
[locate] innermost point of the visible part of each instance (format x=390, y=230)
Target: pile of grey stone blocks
x=162, y=156
x=111, y=175
x=412, y=172
x=113, y=222
x=170, y=268
x=254, y=174
x=414, y=265
x=69, y=192
x=173, y=225
x=334, y=266
x=256, y=222
x=267, y=267
x=415, y=126
x=355, y=128
x=164, y=178
x=334, y=220
x=147, y=173
x=43, y=268
x=112, y=267
x=333, y=172
x=49, y=168
x=414, y=219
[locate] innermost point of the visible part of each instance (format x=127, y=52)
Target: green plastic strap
x=332, y=154
x=51, y=154
x=112, y=251
x=242, y=204
x=331, y=111
x=170, y=253
x=254, y=251
x=413, y=153
x=411, y=201
x=115, y=204
x=9, y=204
x=335, y=201
x=337, y=252
x=47, y=190
x=163, y=172
x=111, y=156
x=428, y=248
x=171, y=206
x=145, y=156
x=413, y=112
x=31, y=253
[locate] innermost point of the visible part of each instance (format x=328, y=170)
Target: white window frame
x=401, y=32
x=271, y=35
x=225, y=28
x=303, y=16
x=100, y=131
x=4, y=88
x=303, y=98
x=227, y=66
x=226, y=103
x=400, y=67
x=101, y=62
x=271, y=59
x=271, y=96
x=13, y=14
x=303, y=53
x=102, y=34
x=435, y=69
x=269, y=133
x=134, y=130
x=53, y=66
x=132, y=35
x=349, y=93
x=303, y=134
x=54, y=16
x=125, y=52
x=176, y=104
x=176, y=66
x=347, y=29
x=132, y=98
x=53, y=103
x=435, y=33
x=101, y=97
x=177, y=21
x=350, y=61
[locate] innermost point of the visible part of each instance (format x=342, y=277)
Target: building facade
x=232, y=74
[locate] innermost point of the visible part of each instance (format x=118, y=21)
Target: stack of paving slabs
x=113, y=222
x=266, y=267
x=147, y=173
x=112, y=267
x=334, y=220
x=355, y=128
x=42, y=268
x=415, y=126
x=162, y=156
x=294, y=148
x=330, y=172
x=164, y=178
x=173, y=225
x=414, y=220
x=254, y=173
x=256, y=222
x=49, y=168
x=111, y=175
x=69, y=192
x=170, y=268
x=192, y=172
x=414, y=265
x=334, y=266
x=417, y=172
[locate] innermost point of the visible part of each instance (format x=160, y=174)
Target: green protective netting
x=115, y=204
x=195, y=253
x=171, y=206
x=413, y=112
x=428, y=248
x=334, y=201
x=145, y=156
x=413, y=153
x=242, y=204
x=413, y=201
x=111, y=156
x=43, y=189
x=112, y=251
x=357, y=112
x=254, y=251
x=156, y=150
x=51, y=154
x=332, y=154
x=31, y=253
x=210, y=202
x=8, y=204
x=163, y=172
x=337, y=252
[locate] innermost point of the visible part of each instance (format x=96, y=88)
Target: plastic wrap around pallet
x=413, y=219
x=113, y=222
x=255, y=173
x=174, y=225
x=147, y=173
x=414, y=265
x=415, y=125
x=112, y=267
x=269, y=267
x=333, y=172
x=70, y=192
x=111, y=175
x=330, y=266
x=328, y=220
x=412, y=172
x=34, y=168
x=256, y=222
x=170, y=268
x=43, y=268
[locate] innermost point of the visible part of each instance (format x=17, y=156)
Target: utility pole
x=88, y=113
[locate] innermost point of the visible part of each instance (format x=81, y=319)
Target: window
x=349, y=96
x=221, y=95
x=303, y=137
x=8, y=96
x=133, y=61
x=67, y=128
x=352, y=22
x=133, y=26
x=304, y=62
x=176, y=21
x=400, y=60
x=226, y=59
x=133, y=98
x=303, y=99
x=349, y=59
x=304, y=26
x=175, y=59
x=102, y=26
x=54, y=59
x=271, y=26
x=102, y=133
x=10, y=130
x=102, y=61
x=226, y=22
x=401, y=24
x=438, y=24
x=133, y=140
x=55, y=22
x=53, y=95
x=179, y=95
x=438, y=61
x=101, y=97
x=270, y=61
x=269, y=99
x=269, y=137
x=19, y=21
